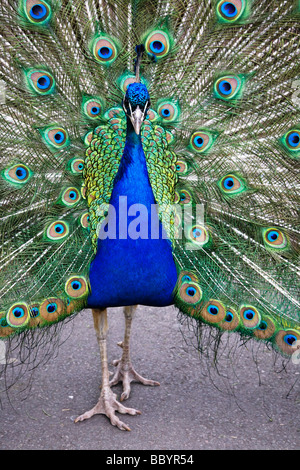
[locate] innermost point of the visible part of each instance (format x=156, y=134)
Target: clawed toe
x=126, y=374
x=108, y=405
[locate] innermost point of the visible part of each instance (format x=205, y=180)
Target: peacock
x=149, y=156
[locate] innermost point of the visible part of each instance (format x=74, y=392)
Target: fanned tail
x=222, y=136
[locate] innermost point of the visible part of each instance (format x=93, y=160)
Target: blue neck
x=133, y=270
x=132, y=178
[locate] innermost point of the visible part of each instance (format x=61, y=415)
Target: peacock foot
x=108, y=405
x=126, y=374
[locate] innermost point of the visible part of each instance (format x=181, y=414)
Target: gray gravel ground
x=189, y=411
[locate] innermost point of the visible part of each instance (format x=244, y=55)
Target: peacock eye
x=76, y=165
x=275, y=238
x=201, y=141
x=168, y=111
x=285, y=340
x=157, y=44
x=92, y=108
x=104, y=49
x=57, y=230
x=181, y=167
x=232, y=185
x=183, y=197
x=213, y=312
x=228, y=87
x=232, y=11
x=50, y=309
x=76, y=286
x=198, y=235
x=18, y=315
x=40, y=82
x=231, y=320
x=250, y=317
x=70, y=196
x=291, y=142
x=56, y=137
x=190, y=292
x=37, y=12
x=18, y=174
x=265, y=329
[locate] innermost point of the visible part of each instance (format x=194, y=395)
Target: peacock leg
x=107, y=403
x=125, y=373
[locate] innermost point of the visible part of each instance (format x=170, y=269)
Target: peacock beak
x=137, y=117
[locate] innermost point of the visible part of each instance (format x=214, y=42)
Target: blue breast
x=129, y=269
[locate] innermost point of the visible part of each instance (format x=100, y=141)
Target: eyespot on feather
x=76, y=287
x=57, y=230
x=17, y=174
x=182, y=167
x=190, y=292
x=41, y=82
x=232, y=11
x=70, y=196
x=265, y=329
x=231, y=320
x=213, y=312
x=285, y=339
x=18, y=315
x=35, y=317
x=157, y=44
x=5, y=328
x=228, y=87
x=184, y=197
x=51, y=309
x=37, y=12
x=152, y=115
x=232, y=185
x=92, y=107
x=76, y=166
x=250, y=317
x=201, y=141
x=55, y=137
x=275, y=239
x=291, y=142
x=104, y=49
x=198, y=235
x=168, y=111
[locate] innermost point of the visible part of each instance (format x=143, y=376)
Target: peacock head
x=136, y=104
